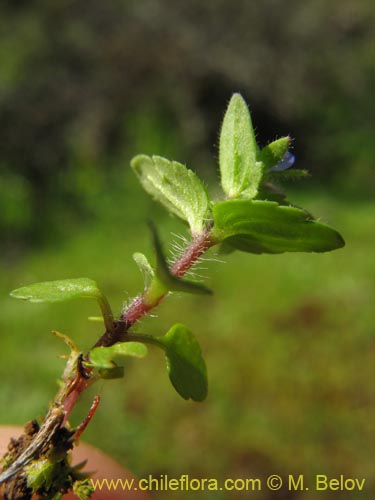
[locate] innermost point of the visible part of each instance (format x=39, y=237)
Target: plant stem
x=198, y=246
x=80, y=378
x=139, y=308
x=136, y=310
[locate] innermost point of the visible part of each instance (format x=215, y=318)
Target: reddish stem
x=71, y=398
x=199, y=245
x=138, y=308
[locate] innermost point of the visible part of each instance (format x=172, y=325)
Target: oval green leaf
x=240, y=171
x=185, y=364
x=58, y=291
x=266, y=227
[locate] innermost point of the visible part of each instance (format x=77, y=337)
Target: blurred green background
x=288, y=339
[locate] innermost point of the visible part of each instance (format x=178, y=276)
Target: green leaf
x=58, y=291
x=62, y=290
x=266, y=227
x=145, y=267
x=174, y=186
x=274, y=152
x=165, y=281
x=185, y=364
x=240, y=171
x=103, y=357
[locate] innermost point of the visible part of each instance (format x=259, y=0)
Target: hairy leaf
x=174, y=186
x=274, y=152
x=266, y=227
x=240, y=171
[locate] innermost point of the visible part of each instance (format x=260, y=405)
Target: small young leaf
x=102, y=357
x=240, y=171
x=274, y=152
x=266, y=227
x=174, y=186
x=58, y=291
x=145, y=267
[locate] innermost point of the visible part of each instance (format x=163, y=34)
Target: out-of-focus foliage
x=84, y=85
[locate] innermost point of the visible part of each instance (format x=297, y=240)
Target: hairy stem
x=139, y=307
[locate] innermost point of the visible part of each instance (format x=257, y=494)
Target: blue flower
x=286, y=162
